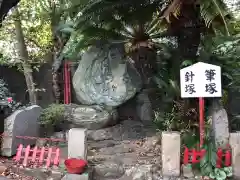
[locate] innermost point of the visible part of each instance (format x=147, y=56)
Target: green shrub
x=52, y=115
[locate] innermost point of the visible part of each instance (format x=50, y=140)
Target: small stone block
x=187, y=171
x=171, y=143
x=77, y=143
x=76, y=177
x=4, y=178
x=56, y=174
x=234, y=142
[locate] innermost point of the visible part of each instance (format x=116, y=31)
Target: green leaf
x=67, y=30
x=187, y=63
x=227, y=75
x=228, y=171
x=213, y=155
x=212, y=175
x=220, y=174
x=206, y=169
x=189, y=166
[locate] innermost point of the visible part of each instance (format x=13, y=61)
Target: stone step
x=84, y=176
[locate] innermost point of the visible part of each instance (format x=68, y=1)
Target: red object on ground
x=75, y=166
x=223, y=157
x=193, y=156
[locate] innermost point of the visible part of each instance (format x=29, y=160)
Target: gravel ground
x=10, y=170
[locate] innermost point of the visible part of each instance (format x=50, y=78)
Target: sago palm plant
x=140, y=24
x=137, y=24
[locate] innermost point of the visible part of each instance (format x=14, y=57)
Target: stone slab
x=144, y=108
x=171, y=143
x=140, y=172
x=3, y=178
x=23, y=122
x=220, y=126
x=234, y=142
x=77, y=143
x=93, y=117
x=187, y=171
x=84, y=176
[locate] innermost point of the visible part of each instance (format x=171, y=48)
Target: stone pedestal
x=76, y=177
x=234, y=141
x=171, y=143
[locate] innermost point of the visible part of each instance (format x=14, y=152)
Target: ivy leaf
x=212, y=155
x=220, y=174
x=228, y=171
x=212, y=175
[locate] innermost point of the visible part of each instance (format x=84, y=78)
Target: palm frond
x=173, y=9
x=104, y=33
x=155, y=26
x=131, y=20
x=99, y=8
x=211, y=9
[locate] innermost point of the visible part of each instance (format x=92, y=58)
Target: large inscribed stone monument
x=20, y=123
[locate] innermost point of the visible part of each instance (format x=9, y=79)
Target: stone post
x=220, y=128
x=234, y=142
x=171, y=143
x=77, y=148
x=77, y=143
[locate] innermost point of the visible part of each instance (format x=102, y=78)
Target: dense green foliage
x=52, y=115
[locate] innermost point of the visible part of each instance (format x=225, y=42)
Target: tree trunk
x=145, y=62
x=58, y=45
x=23, y=53
x=187, y=28
x=56, y=50
x=56, y=87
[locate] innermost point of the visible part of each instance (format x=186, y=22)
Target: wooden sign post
x=201, y=80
